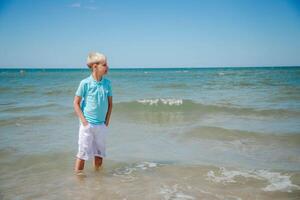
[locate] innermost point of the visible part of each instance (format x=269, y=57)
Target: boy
x=93, y=106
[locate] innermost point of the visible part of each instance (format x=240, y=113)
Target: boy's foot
x=79, y=173
x=97, y=168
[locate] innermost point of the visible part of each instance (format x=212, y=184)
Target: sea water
x=184, y=133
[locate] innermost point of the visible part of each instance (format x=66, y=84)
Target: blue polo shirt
x=94, y=103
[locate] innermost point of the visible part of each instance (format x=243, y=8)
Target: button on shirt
x=94, y=95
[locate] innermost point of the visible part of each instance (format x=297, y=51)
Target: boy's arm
x=76, y=104
x=107, y=118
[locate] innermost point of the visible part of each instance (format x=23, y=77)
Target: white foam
x=146, y=165
x=218, y=196
x=277, y=181
x=149, y=101
x=139, y=166
x=174, y=193
x=163, y=101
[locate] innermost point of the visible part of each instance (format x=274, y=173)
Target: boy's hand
x=85, y=123
x=106, y=123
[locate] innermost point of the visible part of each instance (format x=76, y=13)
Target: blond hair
x=95, y=57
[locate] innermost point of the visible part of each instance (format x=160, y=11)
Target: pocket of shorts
x=86, y=127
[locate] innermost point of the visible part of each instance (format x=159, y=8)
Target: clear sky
x=144, y=33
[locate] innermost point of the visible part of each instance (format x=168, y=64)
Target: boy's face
x=101, y=68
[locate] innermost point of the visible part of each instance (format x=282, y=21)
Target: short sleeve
x=109, y=89
x=80, y=89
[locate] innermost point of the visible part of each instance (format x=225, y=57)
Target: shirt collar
x=96, y=82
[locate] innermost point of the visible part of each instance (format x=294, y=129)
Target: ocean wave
x=4, y=89
x=126, y=172
x=276, y=181
x=30, y=108
x=156, y=104
x=19, y=121
x=171, y=86
x=169, y=102
x=174, y=192
x=224, y=134
x=184, y=105
x=26, y=91
x=7, y=151
x=157, y=111
x=56, y=92
x=8, y=103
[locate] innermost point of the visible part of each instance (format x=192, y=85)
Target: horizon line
x=265, y=66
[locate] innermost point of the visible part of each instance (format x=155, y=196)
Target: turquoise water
x=222, y=123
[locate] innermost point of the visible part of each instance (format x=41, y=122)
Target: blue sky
x=157, y=33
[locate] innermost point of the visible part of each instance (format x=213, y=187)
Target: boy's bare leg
x=97, y=162
x=79, y=165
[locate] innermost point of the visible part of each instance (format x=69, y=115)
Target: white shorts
x=91, y=141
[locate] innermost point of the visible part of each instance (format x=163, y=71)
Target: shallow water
x=221, y=133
